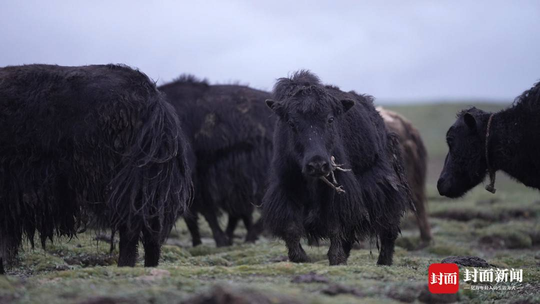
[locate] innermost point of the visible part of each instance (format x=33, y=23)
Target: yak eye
x=290, y=123
x=450, y=141
x=331, y=119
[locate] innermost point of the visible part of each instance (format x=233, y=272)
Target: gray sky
x=400, y=51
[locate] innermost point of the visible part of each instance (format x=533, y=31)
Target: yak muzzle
x=442, y=186
x=445, y=187
x=317, y=168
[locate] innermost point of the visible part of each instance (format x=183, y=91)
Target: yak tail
x=153, y=184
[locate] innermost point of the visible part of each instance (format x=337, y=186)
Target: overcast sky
x=399, y=51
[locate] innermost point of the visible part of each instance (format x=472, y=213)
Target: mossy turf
x=503, y=229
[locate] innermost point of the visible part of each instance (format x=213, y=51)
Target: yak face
x=312, y=125
x=465, y=165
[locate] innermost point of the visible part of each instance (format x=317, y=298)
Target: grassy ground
x=504, y=229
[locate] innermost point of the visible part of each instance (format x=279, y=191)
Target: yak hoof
x=337, y=263
x=385, y=262
x=151, y=264
x=126, y=264
x=223, y=242
x=300, y=258
x=251, y=238
x=423, y=244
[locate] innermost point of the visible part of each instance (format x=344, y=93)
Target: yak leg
x=219, y=236
x=292, y=241
x=387, y=238
x=253, y=233
x=152, y=247
x=347, y=246
x=129, y=241
x=192, y=224
x=336, y=253
x=423, y=223
x=231, y=226
x=2, y=271
x=248, y=223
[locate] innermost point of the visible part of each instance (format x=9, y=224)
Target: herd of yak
x=102, y=147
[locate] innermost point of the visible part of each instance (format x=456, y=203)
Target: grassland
x=503, y=229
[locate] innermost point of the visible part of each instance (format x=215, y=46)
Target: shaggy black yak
x=414, y=155
x=481, y=143
x=230, y=130
x=93, y=140
x=336, y=172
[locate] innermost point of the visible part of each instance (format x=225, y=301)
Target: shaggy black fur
x=95, y=142
x=513, y=146
x=315, y=123
x=231, y=133
x=415, y=158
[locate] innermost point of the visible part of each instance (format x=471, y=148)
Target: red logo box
x=443, y=278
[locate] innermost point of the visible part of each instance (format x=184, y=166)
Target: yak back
x=220, y=117
x=45, y=94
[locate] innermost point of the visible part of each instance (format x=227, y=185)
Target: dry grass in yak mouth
x=334, y=184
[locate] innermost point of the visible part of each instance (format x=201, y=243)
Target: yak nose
x=442, y=186
x=318, y=168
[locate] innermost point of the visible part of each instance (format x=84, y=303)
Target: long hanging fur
x=87, y=143
x=415, y=158
x=376, y=190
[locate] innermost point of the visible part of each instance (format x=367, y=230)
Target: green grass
x=504, y=229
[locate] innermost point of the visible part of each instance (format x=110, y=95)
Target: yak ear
x=274, y=105
x=470, y=121
x=347, y=104
x=271, y=104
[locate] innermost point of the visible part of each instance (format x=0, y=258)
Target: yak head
x=465, y=165
x=310, y=119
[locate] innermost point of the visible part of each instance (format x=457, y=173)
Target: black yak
x=414, y=155
x=230, y=130
x=481, y=143
x=95, y=142
x=336, y=172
